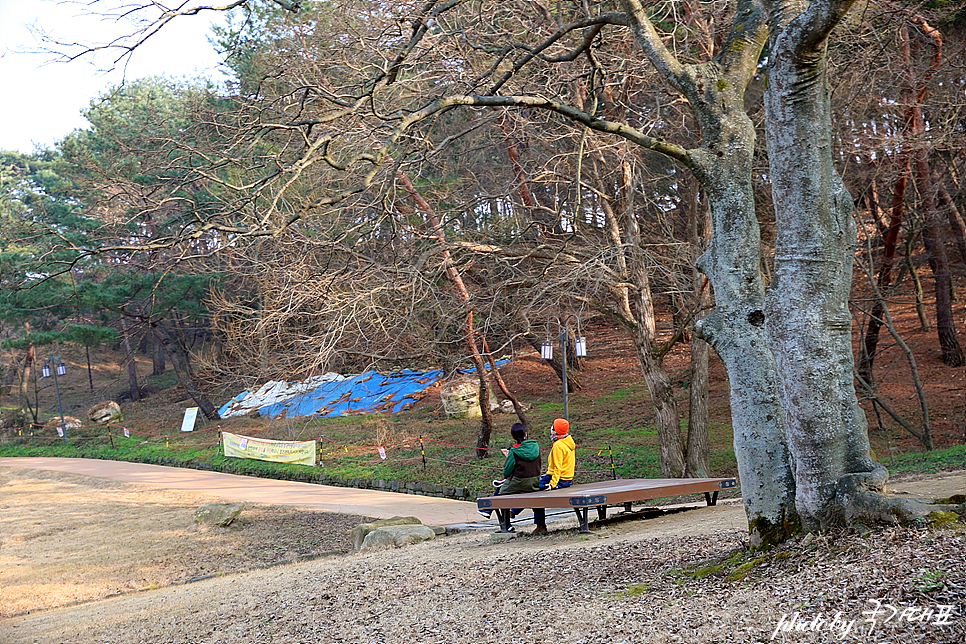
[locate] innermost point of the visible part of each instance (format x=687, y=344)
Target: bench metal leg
x=628, y=507
x=711, y=497
x=504, y=517
x=582, y=520
x=601, y=512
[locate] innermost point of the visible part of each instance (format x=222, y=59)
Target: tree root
x=861, y=499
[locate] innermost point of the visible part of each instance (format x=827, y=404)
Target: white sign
x=237, y=446
x=190, y=416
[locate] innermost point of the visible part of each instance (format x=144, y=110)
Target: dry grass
x=69, y=538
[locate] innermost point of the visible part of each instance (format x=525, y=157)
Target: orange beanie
x=561, y=427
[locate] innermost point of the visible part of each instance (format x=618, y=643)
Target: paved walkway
x=232, y=487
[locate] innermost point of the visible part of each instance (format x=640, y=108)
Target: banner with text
x=301, y=452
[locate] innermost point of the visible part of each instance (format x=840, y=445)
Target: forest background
x=212, y=229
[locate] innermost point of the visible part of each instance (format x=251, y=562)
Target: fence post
x=613, y=471
x=422, y=452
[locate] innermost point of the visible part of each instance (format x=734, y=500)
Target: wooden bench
x=599, y=495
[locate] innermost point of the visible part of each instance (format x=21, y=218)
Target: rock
x=956, y=499
x=105, y=412
x=941, y=519
x=502, y=537
x=461, y=398
x=69, y=422
x=221, y=514
x=360, y=532
x=394, y=536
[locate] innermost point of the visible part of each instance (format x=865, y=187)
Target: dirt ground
x=86, y=560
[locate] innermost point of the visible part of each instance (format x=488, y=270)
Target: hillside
x=611, y=412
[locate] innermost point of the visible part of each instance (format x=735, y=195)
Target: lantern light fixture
x=60, y=369
x=580, y=351
x=546, y=351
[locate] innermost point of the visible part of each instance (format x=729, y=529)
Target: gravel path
x=629, y=582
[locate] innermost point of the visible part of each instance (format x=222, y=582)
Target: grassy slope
x=609, y=422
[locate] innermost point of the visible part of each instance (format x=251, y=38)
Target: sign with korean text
x=301, y=452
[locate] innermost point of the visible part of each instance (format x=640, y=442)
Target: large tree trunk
x=670, y=441
x=732, y=263
x=182, y=367
x=807, y=316
x=736, y=330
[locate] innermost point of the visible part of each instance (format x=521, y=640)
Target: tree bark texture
x=807, y=316
x=715, y=92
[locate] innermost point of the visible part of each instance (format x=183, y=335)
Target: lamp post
x=580, y=350
x=59, y=369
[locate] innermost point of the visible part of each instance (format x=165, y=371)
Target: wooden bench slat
x=606, y=493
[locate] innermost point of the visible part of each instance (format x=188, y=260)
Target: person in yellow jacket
x=562, y=459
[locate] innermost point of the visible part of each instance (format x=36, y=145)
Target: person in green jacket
x=521, y=472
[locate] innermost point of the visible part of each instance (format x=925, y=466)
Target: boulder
x=105, y=412
x=461, y=398
x=394, y=536
x=220, y=514
x=69, y=422
x=360, y=532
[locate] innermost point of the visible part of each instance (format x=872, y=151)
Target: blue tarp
x=367, y=393
x=334, y=395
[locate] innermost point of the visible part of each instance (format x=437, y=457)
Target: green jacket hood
x=528, y=450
